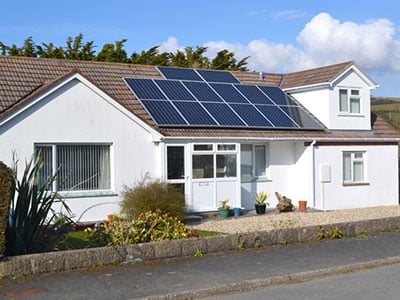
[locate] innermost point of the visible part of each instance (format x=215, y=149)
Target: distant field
x=387, y=108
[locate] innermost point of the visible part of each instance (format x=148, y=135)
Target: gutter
x=272, y=139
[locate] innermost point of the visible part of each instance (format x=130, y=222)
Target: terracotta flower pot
x=302, y=205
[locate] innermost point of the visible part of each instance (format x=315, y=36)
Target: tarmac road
x=212, y=274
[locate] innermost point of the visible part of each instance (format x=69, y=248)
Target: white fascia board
x=156, y=136
x=276, y=139
x=364, y=77
x=309, y=87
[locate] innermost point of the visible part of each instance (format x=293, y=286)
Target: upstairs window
x=349, y=101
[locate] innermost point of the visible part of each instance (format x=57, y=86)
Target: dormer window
x=349, y=101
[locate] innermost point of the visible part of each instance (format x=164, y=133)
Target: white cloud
x=327, y=40
x=171, y=45
x=324, y=40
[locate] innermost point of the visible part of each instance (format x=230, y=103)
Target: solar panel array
x=207, y=98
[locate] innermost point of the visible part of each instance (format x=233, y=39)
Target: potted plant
x=223, y=209
x=261, y=204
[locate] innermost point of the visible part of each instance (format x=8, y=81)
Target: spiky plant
x=31, y=207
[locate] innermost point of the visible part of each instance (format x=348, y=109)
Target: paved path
x=212, y=274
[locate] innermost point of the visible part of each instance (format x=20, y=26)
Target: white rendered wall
x=317, y=102
x=290, y=174
x=381, y=175
x=76, y=114
x=323, y=103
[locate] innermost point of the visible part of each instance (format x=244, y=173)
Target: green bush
x=151, y=195
x=147, y=227
x=6, y=187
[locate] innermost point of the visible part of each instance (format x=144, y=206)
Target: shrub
x=31, y=208
x=147, y=227
x=6, y=187
x=151, y=195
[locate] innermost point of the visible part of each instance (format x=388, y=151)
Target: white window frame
x=353, y=161
x=350, y=98
x=80, y=192
x=254, y=163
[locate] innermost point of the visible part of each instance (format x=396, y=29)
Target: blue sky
x=280, y=36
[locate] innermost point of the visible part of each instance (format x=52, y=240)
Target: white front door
x=214, y=176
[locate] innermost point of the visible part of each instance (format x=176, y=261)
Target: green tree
x=49, y=51
x=29, y=48
x=113, y=53
x=225, y=60
x=151, y=57
x=77, y=50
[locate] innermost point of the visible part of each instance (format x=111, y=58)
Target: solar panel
x=217, y=76
x=179, y=73
x=253, y=94
x=276, y=116
x=194, y=113
x=174, y=90
x=277, y=95
x=228, y=93
x=202, y=91
x=144, y=88
x=251, y=115
x=202, y=98
x=223, y=114
x=301, y=117
x=163, y=112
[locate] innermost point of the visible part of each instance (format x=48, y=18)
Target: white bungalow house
x=221, y=135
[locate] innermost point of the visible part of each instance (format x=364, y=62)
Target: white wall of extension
x=78, y=113
x=323, y=103
x=381, y=187
x=289, y=173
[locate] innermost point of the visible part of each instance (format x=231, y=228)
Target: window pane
x=226, y=147
x=355, y=92
x=175, y=162
x=203, y=166
x=226, y=165
x=83, y=167
x=46, y=154
x=355, y=106
x=260, y=160
x=245, y=161
x=343, y=101
x=346, y=167
x=206, y=147
x=358, y=171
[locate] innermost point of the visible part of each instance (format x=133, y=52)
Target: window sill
x=344, y=114
x=256, y=179
x=355, y=183
x=84, y=194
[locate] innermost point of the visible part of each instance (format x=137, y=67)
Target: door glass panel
x=203, y=147
x=175, y=162
x=226, y=165
x=203, y=166
x=226, y=147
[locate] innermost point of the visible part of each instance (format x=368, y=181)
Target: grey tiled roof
x=21, y=79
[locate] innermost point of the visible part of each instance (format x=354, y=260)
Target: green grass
x=205, y=233
x=388, y=109
x=70, y=241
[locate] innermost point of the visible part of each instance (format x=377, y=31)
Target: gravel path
x=274, y=220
